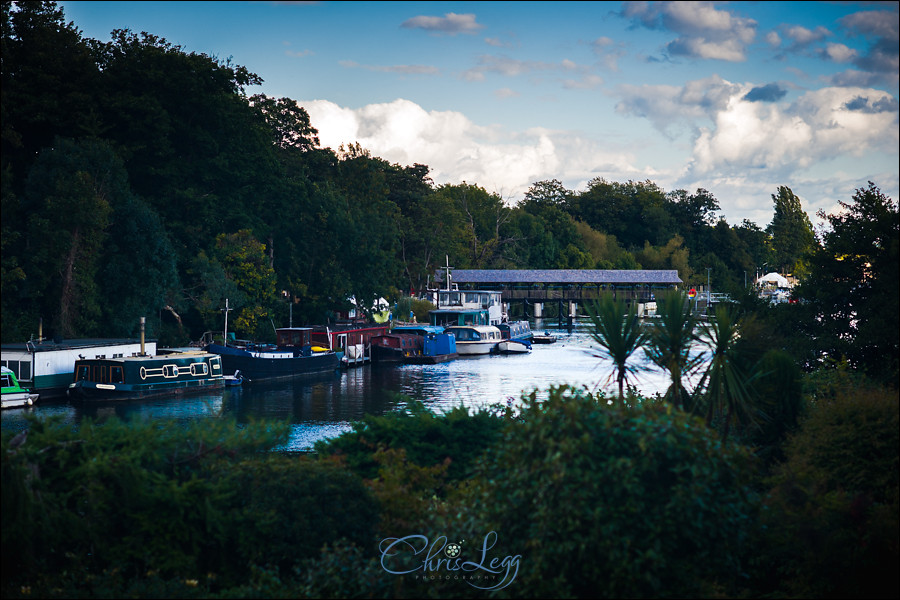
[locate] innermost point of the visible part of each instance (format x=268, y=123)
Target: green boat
x=140, y=377
x=15, y=396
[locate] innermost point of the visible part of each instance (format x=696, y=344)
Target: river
x=325, y=406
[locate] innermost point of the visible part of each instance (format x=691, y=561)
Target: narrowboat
x=15, y=396
x=45, y=366
x=475, y=339
x=292, y=355
x=352, y=342
x=414, y=344
x=143, y=377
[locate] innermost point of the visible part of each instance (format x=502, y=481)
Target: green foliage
x=837, y=493
x=853, y=277
x=619, y=333
x=726, y=394
x=428, y=439
x=161, y=508
x=612, y=501
x=670, y=342
x=407, y=305
x=792, y=233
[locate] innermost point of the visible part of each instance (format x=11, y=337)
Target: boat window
x=170, y=371
x=7, y=380
x=81, y=373
x=215, y=363
x=471, y=298
x=116, y=375
x=199, y=369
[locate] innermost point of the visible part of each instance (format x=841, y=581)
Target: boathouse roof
x=560, y=276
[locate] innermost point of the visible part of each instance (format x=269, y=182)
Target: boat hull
x=282, y=364
x=513, y=347
x=475, y=348
x=19, y=399
x=89, y=391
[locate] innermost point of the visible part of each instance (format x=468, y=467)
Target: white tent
x=774, y=278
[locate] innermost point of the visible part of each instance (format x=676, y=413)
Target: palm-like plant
x=617, y=329
x=727, y=392
x=671, y=339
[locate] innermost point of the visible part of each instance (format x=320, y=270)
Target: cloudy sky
x=734, y=97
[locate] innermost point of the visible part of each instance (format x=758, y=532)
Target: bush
x=831, y=518
x=162, y=509
x=611, y=501
x=428, y=439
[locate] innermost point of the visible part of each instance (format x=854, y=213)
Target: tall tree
x=792, y=233
x=71, y=189
x=853, y=282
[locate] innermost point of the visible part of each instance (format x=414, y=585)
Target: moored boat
x=15, y=396
x=513, y=347
x=543, y=338
x=475, y=339
x=145, y=376
x=414, y=344
x=293, y=355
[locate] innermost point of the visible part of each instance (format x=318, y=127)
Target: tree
x=71, y=189
x=853, y=282
x=726, y=392
x=671, y=344
x=792, y=233
x=619, y=333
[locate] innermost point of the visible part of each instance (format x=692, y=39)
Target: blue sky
x=734, y=97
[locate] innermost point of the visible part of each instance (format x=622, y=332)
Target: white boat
x=475, y=339
x=13, y=395
x=513, y=347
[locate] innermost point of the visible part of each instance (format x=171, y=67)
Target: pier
x=540, y=291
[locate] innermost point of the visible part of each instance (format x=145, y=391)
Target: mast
x=226, y=310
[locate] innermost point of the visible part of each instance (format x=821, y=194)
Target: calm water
x=325, y=406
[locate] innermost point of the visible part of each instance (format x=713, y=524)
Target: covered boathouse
x=540, y=289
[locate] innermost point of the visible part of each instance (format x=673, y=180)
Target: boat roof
x=425, y=328
x=73, y=344
x=475, y=327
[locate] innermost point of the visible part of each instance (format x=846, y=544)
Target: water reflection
x=324, y=406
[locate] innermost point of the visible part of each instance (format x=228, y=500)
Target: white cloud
x=839, y=53
x=742, y=156
x=451, y=23
x=705, y=32
x=458, y=150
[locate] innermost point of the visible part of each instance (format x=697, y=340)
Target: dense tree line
x=139, y=179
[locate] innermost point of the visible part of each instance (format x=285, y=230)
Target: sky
x=737, y=98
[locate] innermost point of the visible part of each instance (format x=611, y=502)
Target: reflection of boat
x=543, y=338
x=138, y=377
x=13, y=395
x=291, y=356
x=475, y=339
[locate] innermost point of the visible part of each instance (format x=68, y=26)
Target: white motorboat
x=475, y=339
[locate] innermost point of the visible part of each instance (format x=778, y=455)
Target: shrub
x=831, y=517
x=611, y=501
